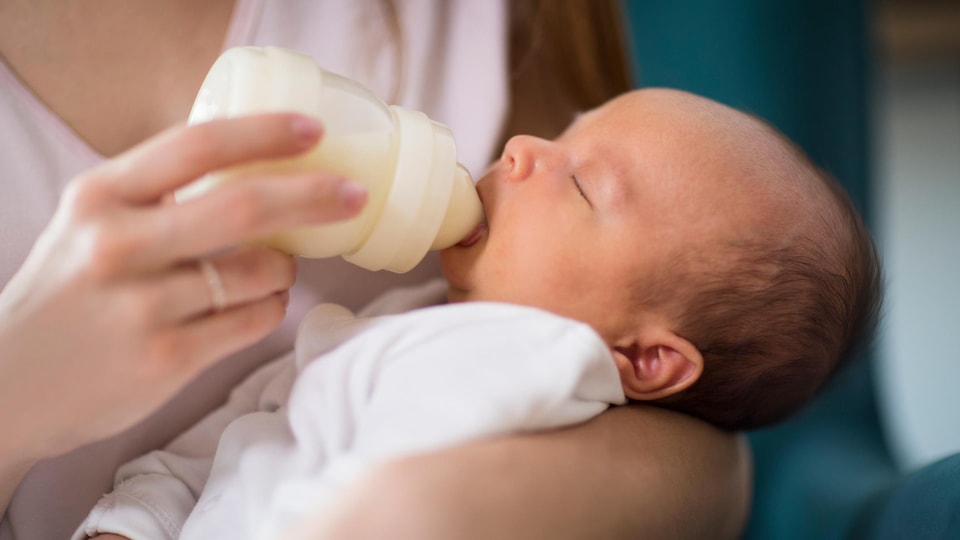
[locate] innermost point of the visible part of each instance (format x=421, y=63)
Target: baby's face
x=574, y=223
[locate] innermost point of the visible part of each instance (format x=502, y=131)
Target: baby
x=727, y=274
x=665, y=248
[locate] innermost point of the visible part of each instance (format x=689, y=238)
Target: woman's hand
x=112, y=312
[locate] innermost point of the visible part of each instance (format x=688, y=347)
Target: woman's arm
x=632, y=472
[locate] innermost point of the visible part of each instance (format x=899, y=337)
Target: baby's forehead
x=660, y=127
x=678, y=138
x=681, y=114
x=716, y=130
x=712, y=158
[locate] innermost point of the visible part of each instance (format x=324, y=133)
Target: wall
x=917, y=165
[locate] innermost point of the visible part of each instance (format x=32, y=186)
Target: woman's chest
x=112, y=72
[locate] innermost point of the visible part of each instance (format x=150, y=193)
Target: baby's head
x=728, y=275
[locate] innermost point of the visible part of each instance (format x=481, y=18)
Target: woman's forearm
x=631, y=472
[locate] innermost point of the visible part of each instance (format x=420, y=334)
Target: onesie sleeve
x=461, y=372
x=154, y=494
x=487, y=369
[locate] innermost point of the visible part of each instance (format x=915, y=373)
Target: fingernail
x=306, y=129
x=353, y=195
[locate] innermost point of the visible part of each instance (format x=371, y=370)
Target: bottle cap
x=432, y=202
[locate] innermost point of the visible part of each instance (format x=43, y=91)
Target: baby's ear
x=657, y=364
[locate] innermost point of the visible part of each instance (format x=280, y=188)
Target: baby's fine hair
x=775, y=322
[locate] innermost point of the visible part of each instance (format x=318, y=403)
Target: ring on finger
x=218, y=294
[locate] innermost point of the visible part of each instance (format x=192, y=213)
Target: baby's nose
x=522, y=153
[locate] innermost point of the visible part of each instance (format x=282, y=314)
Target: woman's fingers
x=128, y=227
x=224, y=332
x=243, y=275
x=180, y=155
x=244, y=210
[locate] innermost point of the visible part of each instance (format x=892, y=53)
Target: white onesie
x=359, y=391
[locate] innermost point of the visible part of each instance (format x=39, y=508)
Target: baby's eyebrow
x=615, y=191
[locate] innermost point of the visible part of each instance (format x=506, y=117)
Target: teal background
x=805, y=66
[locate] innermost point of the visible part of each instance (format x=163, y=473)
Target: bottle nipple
x=464, y=211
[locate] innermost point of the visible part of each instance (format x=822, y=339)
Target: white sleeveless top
x=454, y=69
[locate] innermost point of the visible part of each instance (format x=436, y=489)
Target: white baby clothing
x=356, y=392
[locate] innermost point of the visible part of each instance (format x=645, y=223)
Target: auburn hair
x=566, y=56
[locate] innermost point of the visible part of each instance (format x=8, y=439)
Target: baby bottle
x=419, y=197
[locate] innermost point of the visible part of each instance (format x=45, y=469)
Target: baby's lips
x=474, y=235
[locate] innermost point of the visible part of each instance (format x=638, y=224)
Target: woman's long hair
x=566, y=56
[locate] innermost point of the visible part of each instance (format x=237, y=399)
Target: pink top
x=454, y=70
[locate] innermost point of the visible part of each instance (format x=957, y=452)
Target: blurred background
x=916, y=164
x=871, y=90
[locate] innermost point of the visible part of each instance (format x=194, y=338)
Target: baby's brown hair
x=774, y=320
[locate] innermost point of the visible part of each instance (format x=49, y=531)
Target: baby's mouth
x=477, y=233
x=474, y=235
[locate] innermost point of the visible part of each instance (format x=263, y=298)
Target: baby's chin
x=455, y=295
x=454, y=267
